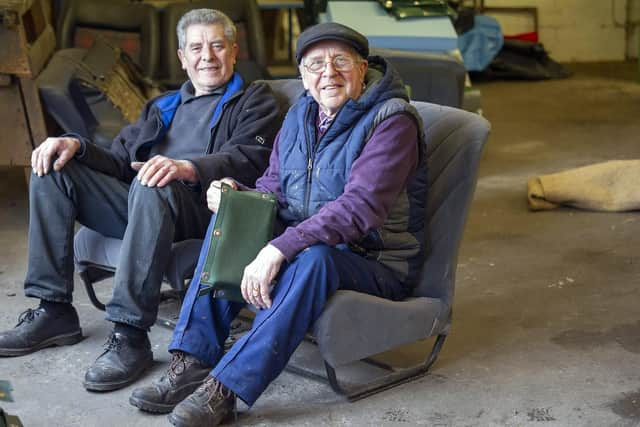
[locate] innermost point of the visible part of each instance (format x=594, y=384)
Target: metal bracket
x=384, y=382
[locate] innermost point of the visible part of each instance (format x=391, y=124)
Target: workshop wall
x=577, y=30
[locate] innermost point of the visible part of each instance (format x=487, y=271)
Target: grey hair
x=204, y=16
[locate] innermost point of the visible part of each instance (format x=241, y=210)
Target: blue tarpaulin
x=481, y=43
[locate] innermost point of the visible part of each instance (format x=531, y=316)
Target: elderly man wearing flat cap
x=348, y=171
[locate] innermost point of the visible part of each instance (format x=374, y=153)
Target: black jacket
x=239, y=146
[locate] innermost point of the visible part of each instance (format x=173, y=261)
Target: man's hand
x=63, y=148
x=159, y=171
x=215, y=190
x=259, y=274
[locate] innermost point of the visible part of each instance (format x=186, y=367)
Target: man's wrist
x=189, y=173
x=80, y=147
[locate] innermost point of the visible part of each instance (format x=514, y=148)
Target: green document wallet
x=244, y=224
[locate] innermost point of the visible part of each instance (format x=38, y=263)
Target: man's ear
x=235, y=53
x=302, y=75
x=364, y=66
x=182, y=59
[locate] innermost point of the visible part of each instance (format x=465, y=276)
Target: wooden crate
x=21, y=121
x=27, y=39
x=26, y=36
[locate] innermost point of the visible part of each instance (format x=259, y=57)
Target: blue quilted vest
x=315, y=171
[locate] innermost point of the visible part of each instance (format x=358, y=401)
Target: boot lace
x=28, y=316
x=179, y=364
x=215, y=390
x=113, y=343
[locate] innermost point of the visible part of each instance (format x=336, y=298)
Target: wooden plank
x=13, y=58
x=20, y=6
x=35, y=116
x=41, y=50
x=15, y=139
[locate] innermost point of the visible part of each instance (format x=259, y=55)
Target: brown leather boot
x=208, y=406
x=183, y=377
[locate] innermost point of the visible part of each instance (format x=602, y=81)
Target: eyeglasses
x=340, y=63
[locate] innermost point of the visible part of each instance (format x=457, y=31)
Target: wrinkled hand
x=159, y=171
x=259, y=274
x=215, y=190
x=63, y=148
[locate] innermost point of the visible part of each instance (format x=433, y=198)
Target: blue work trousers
x=302, y=290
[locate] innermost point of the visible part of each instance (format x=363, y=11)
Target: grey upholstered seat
x=355, y=326
x=431, y=77
x=455, y=140
x=96, y=257
x=134, y=27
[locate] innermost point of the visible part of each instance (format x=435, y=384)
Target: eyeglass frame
x=353, y=61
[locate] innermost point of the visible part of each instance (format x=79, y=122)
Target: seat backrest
x=133, y=27
x=455, y=140
x=431, y=77
x=286, y=91
x=246, y=16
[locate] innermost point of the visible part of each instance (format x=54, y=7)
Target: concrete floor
x=547, y=318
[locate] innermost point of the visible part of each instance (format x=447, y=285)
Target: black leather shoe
x=208, y=406
x=122, y=362
x=183, y=377
x=37, y=329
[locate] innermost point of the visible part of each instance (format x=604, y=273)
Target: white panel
x=574, y=30
x=592, y=44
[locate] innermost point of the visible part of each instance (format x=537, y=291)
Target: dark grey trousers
x=148, y=220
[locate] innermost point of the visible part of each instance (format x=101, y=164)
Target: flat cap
x=331, y=31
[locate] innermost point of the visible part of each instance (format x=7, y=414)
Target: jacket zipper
x=310, y=149
x=215, y=125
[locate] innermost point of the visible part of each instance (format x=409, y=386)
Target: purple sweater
x=376, y=179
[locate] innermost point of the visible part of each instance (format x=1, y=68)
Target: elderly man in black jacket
x=148, y=190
